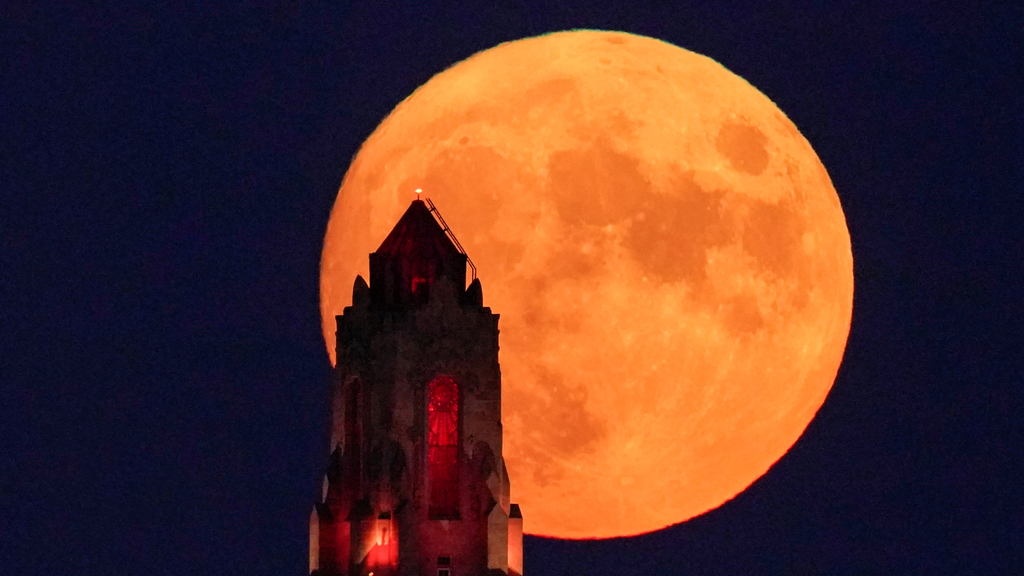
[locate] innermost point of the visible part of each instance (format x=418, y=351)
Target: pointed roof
x=417, y=232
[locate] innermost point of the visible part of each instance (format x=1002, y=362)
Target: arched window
x=443, y=442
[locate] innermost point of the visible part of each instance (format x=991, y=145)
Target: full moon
x=668, y=255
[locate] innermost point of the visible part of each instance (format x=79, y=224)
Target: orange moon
x=668, y=255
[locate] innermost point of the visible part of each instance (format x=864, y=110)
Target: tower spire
x=417, y=484
x=416, y=255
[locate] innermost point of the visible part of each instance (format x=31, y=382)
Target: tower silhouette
x=416, y=483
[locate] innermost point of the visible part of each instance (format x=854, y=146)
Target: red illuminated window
x=443, y=441
x=420, y=272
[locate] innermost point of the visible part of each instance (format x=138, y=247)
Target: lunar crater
x=745, y=146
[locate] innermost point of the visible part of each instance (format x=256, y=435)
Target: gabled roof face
x=418, y=234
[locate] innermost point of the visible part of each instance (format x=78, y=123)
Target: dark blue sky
x=166, y=175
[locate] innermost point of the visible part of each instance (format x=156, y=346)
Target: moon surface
x=668, y=255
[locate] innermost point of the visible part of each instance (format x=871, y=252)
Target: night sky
x=166, y=177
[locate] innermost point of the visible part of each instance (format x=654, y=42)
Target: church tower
x=416, y=483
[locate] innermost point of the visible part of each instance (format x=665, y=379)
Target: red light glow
x=443, y=419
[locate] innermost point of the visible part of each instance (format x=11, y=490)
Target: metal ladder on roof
x=451, y=235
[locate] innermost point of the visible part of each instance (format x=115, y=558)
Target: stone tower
x=416, y=483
